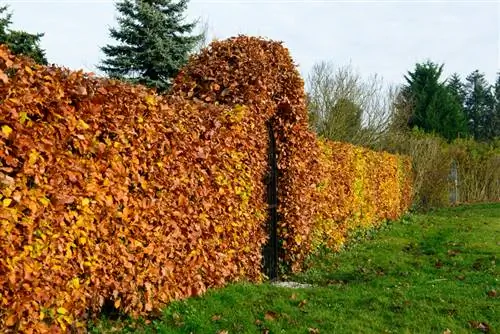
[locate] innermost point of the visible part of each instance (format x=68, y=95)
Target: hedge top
x=245, y=70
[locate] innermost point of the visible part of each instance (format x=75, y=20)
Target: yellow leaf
x=42, y=316
x=82, y=240
x=23, y=117
x=6, y=130
x=85, y=202
x=33, y=157
x=75, y=282
x=6, y=202
x=67, y=319
x=82, y=125
x=62, y=310
x=61, y=323
x=117, y=303
x=44, y=200
x=140, y=119
x=150, y=100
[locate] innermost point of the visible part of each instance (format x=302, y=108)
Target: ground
x=428, y=273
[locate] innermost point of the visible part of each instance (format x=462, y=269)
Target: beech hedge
x=111, y=195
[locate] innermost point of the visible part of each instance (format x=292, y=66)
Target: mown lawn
x=428, y=273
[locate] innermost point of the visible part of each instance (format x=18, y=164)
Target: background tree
x=20, y=42
x=345, y=107
x=155, y=42
x=433, y=106
x=496, y=119
x=479, y=106
x=204, y=36
x=457, y=88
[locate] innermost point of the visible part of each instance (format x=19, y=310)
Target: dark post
x=270, y=256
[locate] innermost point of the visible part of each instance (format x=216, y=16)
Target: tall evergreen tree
x=457, y=88
x=20, y=42
x=496, y=117
x=479, y=106
x=155, y=42
x=433, y=106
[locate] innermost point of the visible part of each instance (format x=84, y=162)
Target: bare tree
x=345, y=107
x=204, y=30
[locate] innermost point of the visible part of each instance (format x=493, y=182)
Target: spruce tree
x=154, y=42
x=479, y=106
x=433, y=106
x=457, y=88
x=20, y=42
x=496, y=116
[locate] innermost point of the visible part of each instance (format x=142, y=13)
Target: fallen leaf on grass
x=293, y=296
x=270, y=315
x=482, y=326
x=313, y=331
x=303, y=303
x=492, y=293
x=453, y=252
x=216, y=317
x=223, y=332
x=447, y=331
x=177, y=319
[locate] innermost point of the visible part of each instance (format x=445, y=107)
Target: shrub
x=478, y=166
x=431, y=163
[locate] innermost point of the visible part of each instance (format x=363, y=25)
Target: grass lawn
x=428, y=273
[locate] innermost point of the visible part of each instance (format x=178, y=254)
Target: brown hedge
x=112, y=194
x=261, y=74
x=358, y=188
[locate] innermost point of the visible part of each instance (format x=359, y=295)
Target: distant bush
x=431, y=166
x=478, y=166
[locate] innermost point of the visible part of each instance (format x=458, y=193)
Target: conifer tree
x=154, y=42
x=433, y=106
x=479, y=106
x=20, y=42
x=457, y=88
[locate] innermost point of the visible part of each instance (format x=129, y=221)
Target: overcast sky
x=383, y=37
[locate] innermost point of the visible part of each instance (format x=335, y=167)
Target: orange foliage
x=358, y=188
x=113, y=194
x=110, y=193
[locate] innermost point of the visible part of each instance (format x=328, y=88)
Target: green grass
x=425, y=274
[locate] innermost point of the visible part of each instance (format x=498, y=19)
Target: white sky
x=383, y=37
